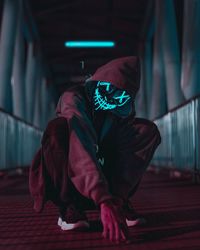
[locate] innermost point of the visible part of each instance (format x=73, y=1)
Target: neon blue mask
x=108, y=97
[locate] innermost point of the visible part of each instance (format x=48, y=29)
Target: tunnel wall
x=26, y=83
x=170, y=58
x=180, y=132
x=26, y=91
x=19, y=142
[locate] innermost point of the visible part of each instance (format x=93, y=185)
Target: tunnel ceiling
x=121, y=21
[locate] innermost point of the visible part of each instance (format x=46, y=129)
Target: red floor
x=171, y=208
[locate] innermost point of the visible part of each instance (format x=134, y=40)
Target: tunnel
x=99, y=117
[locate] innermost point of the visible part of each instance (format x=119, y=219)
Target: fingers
x=124, y=230
x=114, y=224
x=115, y=232
x=109, y=232
x=112, y=232
x=118, y=235
x=105, y=232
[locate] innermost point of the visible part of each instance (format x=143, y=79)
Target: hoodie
x=123, y=72
x=87, y=132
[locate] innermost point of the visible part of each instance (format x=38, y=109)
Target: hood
x=123, y=72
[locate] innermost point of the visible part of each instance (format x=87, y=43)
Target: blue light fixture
x=89, y=44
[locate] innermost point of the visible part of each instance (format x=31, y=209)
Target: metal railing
x=180, y=132
x=19, y=141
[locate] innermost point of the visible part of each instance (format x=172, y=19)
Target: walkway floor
x=171, y=208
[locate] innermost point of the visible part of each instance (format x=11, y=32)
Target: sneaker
x=73, y=219
x=132, y=217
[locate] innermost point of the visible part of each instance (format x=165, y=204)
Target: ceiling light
x=89, y=44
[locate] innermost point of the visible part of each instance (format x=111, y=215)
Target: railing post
x=18, y=85
x=7, y=42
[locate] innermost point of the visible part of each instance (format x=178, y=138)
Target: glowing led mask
x=108, y=97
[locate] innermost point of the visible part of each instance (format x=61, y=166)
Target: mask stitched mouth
x=101, y=102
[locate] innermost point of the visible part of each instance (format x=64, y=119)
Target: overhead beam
x=85, y=53
x=91, y=12
x=73, y=25
x=57, y=7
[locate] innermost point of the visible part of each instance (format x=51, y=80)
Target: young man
x=95, y=150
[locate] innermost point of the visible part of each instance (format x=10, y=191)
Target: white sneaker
x=74, y=219
x=132, y=217
x=81, y=224
x=135, y=222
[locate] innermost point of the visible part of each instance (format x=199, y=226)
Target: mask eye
x=121, y=98
x=106, y=87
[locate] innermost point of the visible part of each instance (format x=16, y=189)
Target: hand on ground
x=114, y=223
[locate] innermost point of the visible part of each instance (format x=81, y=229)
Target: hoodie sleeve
x=83, y=167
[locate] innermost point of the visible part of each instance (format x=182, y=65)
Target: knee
x=56, y=133
x=153, y=130
x=149, y=128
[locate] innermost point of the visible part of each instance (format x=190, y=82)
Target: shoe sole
x=73, y=226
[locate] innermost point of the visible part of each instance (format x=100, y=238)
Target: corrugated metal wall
x=180, y=132
x=18, y=142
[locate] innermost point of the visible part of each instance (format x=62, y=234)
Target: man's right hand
x=114, y=223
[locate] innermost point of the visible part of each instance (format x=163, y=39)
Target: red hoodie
x=86, y=132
